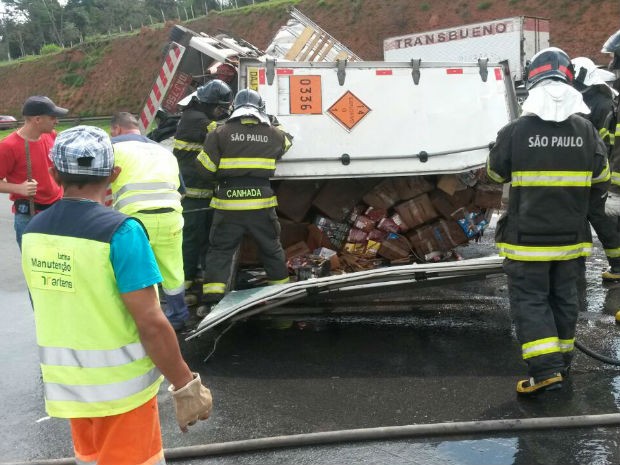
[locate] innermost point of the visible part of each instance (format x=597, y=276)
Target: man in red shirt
x=25, y=162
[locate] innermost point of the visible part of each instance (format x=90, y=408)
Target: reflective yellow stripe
x=63, y=356
x=542, y=254
x=195, y=193
x=552, y=178
x=214, y=288
x=56, y=392
x=205, y=161
x=604, y=176
x=279, y=281
x=615, y=178
x=211, y=126
x=567, y=345
x=545, y=346
x=248, y=163
x=247, y=204
x=184, y=145
x=604, y=133
x=612, y=253
x=163, y=196
x=493, y=175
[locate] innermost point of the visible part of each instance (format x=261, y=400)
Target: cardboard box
x=383, y=195
x=416, y=211
x=442, y=203
x=395, y=247
x=449, y=234
x=295, y=198
x=463, y=198
x=412, y=186
x=299, y=249
x=292, y=232
x=423, y=241
x=450, y=183
x=337, y=198
x=488, y=196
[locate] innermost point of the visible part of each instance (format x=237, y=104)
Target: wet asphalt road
x=451, y=357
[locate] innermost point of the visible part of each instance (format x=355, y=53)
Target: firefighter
x=241, y=156
x=210, y=104
x=555, y=163
x=599, y=97
x=612, y=206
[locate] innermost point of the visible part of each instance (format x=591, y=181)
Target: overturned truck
x=385, y=178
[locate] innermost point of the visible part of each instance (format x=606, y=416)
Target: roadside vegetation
x=103, y=123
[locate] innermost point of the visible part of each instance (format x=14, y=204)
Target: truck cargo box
x=515, y=39
x=385, y=170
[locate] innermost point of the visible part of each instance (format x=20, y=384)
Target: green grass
x=103, y=124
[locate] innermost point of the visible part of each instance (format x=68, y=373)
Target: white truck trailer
x=400, y=140
x=514, y=39
x=359, y=125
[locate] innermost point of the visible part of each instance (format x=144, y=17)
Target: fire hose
x=374, y=434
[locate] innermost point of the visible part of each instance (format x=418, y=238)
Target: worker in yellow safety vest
x=103, y=340
x=147, y=188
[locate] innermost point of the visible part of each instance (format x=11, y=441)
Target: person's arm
x=7, y=165
x=137, y=274
x=157, y=336
x=499, y=159
x=208, y=159
x=25, y=189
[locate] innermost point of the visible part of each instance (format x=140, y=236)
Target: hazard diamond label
x=348, y=110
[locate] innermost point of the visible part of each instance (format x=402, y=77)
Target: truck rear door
x=373, y=119
x=245, y=303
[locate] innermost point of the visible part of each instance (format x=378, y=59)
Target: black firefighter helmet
x=612, y=46
x=550, y=63
x=214, y=92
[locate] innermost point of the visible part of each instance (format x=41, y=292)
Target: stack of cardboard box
x=360, y=224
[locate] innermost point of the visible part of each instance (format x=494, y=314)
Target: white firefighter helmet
x=588, y=74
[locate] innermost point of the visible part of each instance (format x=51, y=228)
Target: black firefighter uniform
x=189, y=138
x=241, y=155
x=555, y=169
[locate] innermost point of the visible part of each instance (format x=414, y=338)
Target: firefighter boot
x=208, y=302
x=533, y=386
x=612, y=274
x=193, y=292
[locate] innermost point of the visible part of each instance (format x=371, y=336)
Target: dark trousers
x=226, y=235
x=544, y=304
x=197, y=224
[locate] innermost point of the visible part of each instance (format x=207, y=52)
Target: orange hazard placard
x=305, y=95
x=349, y=110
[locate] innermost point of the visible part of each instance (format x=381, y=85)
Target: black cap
x=40, y=105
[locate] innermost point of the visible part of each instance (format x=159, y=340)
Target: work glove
x=192, y=402
x=612, y=205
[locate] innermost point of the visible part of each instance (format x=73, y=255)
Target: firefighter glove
x=192, y=402
x=612, y=205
